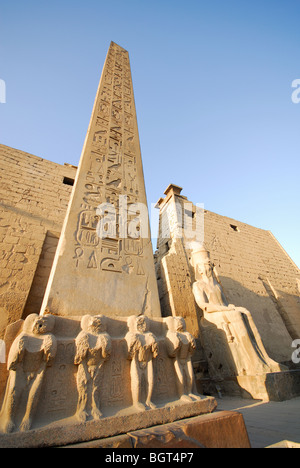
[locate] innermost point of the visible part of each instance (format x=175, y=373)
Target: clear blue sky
x=212, y=82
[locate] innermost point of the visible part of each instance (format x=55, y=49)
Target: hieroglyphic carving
x=58, y=397
x=87, y=224
x=78, y=253
x=115, y=390
x=112, y=171
x=177, y=278
x=96, y=226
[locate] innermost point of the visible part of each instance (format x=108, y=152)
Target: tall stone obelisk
x=104, y=260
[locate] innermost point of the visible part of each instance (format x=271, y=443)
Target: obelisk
x=104, y=260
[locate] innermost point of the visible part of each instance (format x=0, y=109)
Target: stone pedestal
x=70, y=431
x=75, y=379
x=222, y=429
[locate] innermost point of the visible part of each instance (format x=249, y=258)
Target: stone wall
x=34, y=195
x=257, y=273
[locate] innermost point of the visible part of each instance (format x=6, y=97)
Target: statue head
x=39, y=324
x=139, y=324
x=179, y=324
x=201, y=263
x=175, y=324
x=93, y=324
x=142, y=324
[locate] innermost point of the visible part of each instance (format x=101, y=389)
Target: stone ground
x=267, y=422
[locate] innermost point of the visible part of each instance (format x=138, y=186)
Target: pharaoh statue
x=236, y=323
x=181, y=346
x=207, y=291
x=31, y=352
x=93, y=348
x=142, y=349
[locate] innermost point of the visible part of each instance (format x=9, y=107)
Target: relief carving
x=93, y=348
x=181, y=345
x=142, y=349
x=30, y=354
x=86, y=234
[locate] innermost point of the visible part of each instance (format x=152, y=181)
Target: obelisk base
x=75, y=379
x=221, y=429
x=70, y=431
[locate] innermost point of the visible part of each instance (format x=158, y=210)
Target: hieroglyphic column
x=104, y=260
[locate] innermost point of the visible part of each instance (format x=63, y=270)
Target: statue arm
x=106, y=346
x=192, y=342
x=199, y=295
x=131, y=344
x=16, y=352
x=82, y=347
x=154, y=346
x=172, y=343
x=50, y=348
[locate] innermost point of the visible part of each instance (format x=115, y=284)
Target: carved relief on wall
x=181, y=345
x=30, y=354
x=176, y=277
x=112, y=172
x=91, y=367
x=142, y=349
x=93, y=348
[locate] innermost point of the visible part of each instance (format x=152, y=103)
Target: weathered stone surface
x=69, y=432
x=166, y=436
x=33, y=201
x=117, y=442
x=273, y=386
x=222, y=429
x=105, y=245
x=74, y=379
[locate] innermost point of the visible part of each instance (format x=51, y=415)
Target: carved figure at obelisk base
x=236, y=323
x=181, y=346
x=31, y=352
x=93, y=348
x=142, y=348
